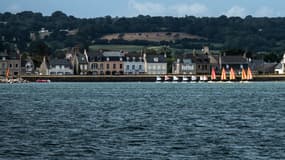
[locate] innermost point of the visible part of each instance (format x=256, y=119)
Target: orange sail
x=243, y=75
x=232, y=74
x=223, y=76
x=213, y=74
x=7, y=72
x=249, y=74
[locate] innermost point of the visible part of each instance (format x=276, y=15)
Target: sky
x=131, y=8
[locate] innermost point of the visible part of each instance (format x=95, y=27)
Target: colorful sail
x=223, y=76
x=243, y=75
x=7, y=72
x=166, y=78
x=232, y=74
x=213, y=74
x=249, y=74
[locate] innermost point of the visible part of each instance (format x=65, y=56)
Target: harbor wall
x=133, y=78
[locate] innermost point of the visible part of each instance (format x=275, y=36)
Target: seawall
x=132, y=78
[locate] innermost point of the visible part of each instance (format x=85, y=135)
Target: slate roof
x=113, y=54
x=155, y=59
x=233, y=60
x=64, y=62
x=81, y=58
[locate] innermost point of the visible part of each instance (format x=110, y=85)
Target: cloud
x=236, y=11
x=265, y=12
x=147, y=7
x=195, y=9
x=150, y=8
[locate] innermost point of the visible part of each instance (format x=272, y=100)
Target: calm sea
x=142, y=121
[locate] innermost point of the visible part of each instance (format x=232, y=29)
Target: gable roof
x=155, y=59
x=113, y=54
x=54, y=62
x=233, y=60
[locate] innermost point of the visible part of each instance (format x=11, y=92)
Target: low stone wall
x=132, y=78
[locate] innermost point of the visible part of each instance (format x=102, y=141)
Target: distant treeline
x=249, y=33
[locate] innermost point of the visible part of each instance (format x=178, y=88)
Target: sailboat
x=166, y=78
x=223, y=75
x=175, y=78
x=232, y=75
x=249, y=74
x=158, y=79
x=185, y=79
x=243, y=76
x=213, y=75
x=7, y=73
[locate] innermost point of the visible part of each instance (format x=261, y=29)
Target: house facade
x=96, y=64
x=113, y=63
x=134, y=65
x=235, y=62
x=155, y=64
x=28, y=66
x=280, y=68
x=60, y=67
x=184, y=65
x=79, y=61
x=11, y=62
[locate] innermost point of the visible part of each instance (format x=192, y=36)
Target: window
x=133, y=67
x=128, y=67
x=121, y=66
x=108, y=66
x=101, y=66
x=11, y=65
x=140, y=67
x=114, y=66
x=17, y=65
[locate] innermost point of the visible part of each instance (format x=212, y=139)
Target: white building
x=280, y=69
x=155, y=64
x=60, y=67
x=134, y=65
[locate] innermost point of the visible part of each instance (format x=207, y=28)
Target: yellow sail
x=232, y=74
x=243, y=75
x=249, y=74
x=223, y=76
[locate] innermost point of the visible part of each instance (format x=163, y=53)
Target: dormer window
x=3, y=58
x=128, y=58
x=140, y=59
x=108, y=59
x=134, y=58
x=155, y=59
x=121, y=59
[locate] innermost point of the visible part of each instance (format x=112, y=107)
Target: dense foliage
x=223, y=33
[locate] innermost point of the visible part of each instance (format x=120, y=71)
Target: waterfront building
x=236, y=62
x=192, y=64
x=11, y=62
x=133, y=64
x=79, y=61
x=184, y=65
x=155, y=64
x=280, y=68
x=113, y=63
x=28, y=66
x=60, y=67
x=96, y=63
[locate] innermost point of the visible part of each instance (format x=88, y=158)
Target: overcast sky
x=129, y=8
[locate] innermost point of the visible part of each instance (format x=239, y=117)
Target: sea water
x=142, y=121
